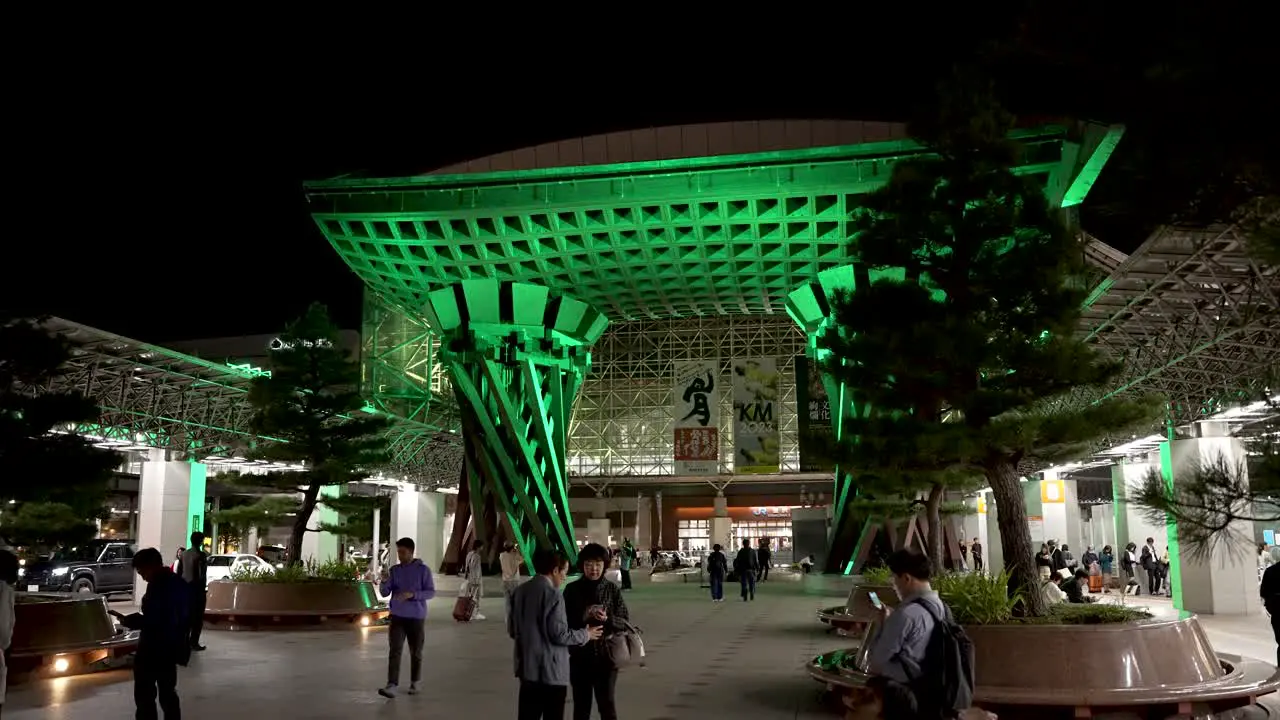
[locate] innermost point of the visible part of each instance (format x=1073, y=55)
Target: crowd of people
x=565, y=638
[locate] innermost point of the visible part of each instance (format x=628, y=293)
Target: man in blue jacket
x=164, y=642
x=410, y=585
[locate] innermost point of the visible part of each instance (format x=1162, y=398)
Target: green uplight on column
x=196, y=496
x=1171, y=527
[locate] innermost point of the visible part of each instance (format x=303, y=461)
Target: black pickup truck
x=103, y=566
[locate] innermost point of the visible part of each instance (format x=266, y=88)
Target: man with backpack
x=921, y=661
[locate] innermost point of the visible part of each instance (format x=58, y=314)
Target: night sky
x=163, y=212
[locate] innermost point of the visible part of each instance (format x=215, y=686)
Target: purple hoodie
x=415, y=578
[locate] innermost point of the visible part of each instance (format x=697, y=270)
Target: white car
x=221, y=566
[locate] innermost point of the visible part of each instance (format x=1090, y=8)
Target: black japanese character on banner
x=697, y=394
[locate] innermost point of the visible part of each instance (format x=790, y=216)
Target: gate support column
x=517, y=357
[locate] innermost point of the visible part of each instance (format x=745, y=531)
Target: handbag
x=624, y=647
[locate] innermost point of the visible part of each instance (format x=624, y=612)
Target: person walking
x=745, y=566
x=510, y=561
x=538, y=625
x=625, y=562
x=473, y=572
x=164, y=642
x=410, y=585
x=717, y=568
x=764, y=557
x=193, y=566
x=978, y=562
x=8, y=580
x=590, y=601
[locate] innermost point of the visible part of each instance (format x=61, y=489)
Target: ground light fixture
x=61, y=664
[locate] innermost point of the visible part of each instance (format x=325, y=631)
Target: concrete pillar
x=420, y=516
x=1225, y=581
x=657, y=499
x=170, y=506
x=598, y=530
x=721, y=530
x=251, y=542
x=644, y=523
x=321, y=547
x=1131, y=526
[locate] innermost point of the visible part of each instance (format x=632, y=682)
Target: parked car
x=273, y=554
x=221, y=566
x=103, y=566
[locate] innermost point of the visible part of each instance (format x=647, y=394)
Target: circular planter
x=232, y=605
x=857, y=610
x=1153, y=668
x=58, y=634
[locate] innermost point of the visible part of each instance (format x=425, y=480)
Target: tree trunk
x=1015, y=534
x=933, y=540
x=309, y=497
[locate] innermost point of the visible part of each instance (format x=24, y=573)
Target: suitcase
x=464, y=610
x=1095, y=583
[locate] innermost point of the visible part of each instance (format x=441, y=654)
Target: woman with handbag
x=594, y=601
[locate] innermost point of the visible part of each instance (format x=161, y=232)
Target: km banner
x=756, y=402
x=696, y=410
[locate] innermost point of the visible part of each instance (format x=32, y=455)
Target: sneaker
x=387, y=692
x=477, y=616
x=414, y=687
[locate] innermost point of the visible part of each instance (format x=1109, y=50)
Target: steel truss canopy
x=153, y=397
x=1193, y=316
x=688, y=236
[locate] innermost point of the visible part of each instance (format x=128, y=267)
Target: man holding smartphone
x=164, y=643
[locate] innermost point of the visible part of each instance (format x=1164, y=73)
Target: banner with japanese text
x=813, y=421
x=756, y=437
x=696, y=411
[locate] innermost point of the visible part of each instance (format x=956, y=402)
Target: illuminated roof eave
x=668, y=238
x=890, y=148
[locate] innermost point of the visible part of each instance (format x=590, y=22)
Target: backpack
x=945, y=686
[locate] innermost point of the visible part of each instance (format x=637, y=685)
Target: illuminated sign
x=278, y=344
x=771, y=512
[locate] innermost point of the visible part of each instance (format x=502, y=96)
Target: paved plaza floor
x=706, y=661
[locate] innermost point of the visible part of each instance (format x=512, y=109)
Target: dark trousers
x=198, y=602
x=626, y=579
x=403, y=629
x=1275, y=629
x=152, y=678
x=763, y=573
x=539, y=701
x=592, y=679
x=748, y=582
x=1153, y=580
x=717, y=587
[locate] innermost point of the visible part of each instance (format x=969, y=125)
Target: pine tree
x=309, y=413
x=967, y=330
x=53, y=482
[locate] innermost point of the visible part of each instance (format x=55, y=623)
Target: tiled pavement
x=729, y=660
x=707, y=661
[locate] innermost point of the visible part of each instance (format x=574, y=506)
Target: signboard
x=756, y=442
x=1036, y=525
x=814, y=417
x=771, y=512
x=695, y=404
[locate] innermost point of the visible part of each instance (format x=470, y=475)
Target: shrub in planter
x=331, y=571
